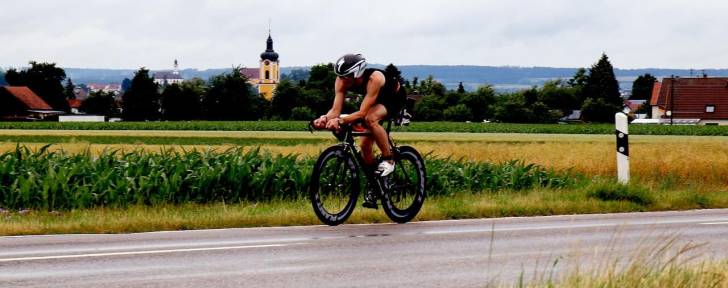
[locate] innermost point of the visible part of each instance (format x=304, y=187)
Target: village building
x=114, y=88
x=696, y=101
x=75, y=105
x=169, y=77
x=19, y=103
x=268, y=75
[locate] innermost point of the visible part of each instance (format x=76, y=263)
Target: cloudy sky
x=224, y=33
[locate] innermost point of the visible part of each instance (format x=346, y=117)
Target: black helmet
x=350, y=65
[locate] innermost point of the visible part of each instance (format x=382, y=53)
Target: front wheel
x=405, y=187
x=334, y=186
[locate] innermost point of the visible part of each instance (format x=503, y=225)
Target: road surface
x=465, y=253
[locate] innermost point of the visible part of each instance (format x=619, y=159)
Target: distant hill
x=503, y=78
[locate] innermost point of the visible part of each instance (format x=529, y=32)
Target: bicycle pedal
x=370, y=205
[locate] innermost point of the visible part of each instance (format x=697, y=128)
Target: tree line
x=303, y=95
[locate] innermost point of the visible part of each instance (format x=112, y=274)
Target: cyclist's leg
x=366, y=150
x=376, y=114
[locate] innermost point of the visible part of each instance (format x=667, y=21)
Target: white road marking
x=496, y=229
x=143, y=252
x=715, y=223
x=576, y=226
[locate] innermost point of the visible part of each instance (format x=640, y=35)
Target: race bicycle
x=337, y=179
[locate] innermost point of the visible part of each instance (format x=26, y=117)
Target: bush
x=302, y=113
x=598, y=111
x=612, y=191
x=458, y=113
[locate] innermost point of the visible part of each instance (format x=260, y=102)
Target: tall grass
x=666, y=263
x=54, y=180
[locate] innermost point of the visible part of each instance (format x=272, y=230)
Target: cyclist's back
x=392, y=95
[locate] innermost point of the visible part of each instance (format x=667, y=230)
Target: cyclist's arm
x=339, y=95
x=376, y=81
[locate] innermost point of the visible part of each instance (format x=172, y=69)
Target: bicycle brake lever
x=310, y=126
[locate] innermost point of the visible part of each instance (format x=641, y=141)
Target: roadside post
x=621, y=121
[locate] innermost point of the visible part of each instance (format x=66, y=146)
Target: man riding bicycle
x=382, y=98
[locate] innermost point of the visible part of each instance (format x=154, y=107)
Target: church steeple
x=269, y=53
x=270, y=73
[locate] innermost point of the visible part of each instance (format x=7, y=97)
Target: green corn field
x=46, y=180
x=414, y=127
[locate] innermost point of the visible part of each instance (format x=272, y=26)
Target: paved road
x=468, y=253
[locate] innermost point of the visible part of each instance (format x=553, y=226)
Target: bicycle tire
x=334, y=186
x=406, y=186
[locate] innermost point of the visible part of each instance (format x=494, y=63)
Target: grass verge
x=540, y=201
x=663, y=262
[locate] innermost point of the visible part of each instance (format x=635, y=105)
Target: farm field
x=554, y=174
x=654, y=158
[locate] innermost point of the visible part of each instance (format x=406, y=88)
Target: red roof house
x=250, y=73
x=21, y=103
x=691, y=101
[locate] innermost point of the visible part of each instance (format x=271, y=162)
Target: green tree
x=318, y=92
x=642, y=87
x=68, y=90
x=461, y=88
x=125, y=85
x=141, y=101
x=512, y=108
x=190, y=99
x=322, y=77
x=100, y=103
x=430, y=86
x=542, y=113
x=557, y=95
x=2, y=78
x=458, y=113
x=296, y=75
x=603, y=90
x=430, y=108
x=231, y=97
x=480, y=103
x=598, y=110
x=602, y=83
x=578, y=83
x=182, y=101
x=285, y=98
x=45, y=79
x=171, y=107
x=302, y=113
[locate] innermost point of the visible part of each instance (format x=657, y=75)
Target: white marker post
x=620, y=120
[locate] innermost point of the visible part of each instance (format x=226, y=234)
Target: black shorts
x=393, y=101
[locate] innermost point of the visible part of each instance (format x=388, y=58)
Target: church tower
x=269, y=70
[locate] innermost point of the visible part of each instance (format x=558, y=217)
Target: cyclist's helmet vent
x=351, y=65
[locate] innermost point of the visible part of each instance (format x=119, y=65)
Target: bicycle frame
x=347, y=134
x=350, y=146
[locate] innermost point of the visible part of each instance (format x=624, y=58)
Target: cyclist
x=382, y=98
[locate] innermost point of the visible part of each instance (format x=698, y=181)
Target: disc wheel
x=405, y=187
x=334, y=186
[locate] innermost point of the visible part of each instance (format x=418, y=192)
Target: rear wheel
x=405, y=187
x=334, y=186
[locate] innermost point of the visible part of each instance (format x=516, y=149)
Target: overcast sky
x=224, y=33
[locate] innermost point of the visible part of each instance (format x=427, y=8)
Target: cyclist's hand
x=333, y=124
x=320, y=123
